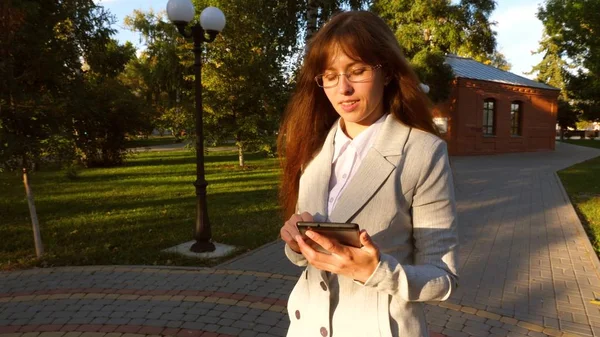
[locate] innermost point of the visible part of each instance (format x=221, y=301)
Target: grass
x=127, y=215
x=584, y=142
x=582, y=183
x=150, y=141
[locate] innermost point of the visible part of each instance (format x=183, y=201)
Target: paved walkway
x=527, y=269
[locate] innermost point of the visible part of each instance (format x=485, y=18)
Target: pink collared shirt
x=347, y=156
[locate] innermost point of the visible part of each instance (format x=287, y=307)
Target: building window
x=515, y=118
x=489, y=125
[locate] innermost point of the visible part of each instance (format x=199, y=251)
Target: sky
x=518, y=29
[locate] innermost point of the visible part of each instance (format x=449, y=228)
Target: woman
x=360, y=146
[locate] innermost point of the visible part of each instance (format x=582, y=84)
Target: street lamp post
x=212, y=22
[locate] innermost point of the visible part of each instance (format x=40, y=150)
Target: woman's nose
x=345, y=86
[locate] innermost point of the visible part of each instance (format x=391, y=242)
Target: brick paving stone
x=276, y=331
x=92, y=334
x=208, y=319
x=478, y=325
x=174, y=324
x=225, y=322
x=228, y=330
x=499, y=331
x=454, y=325
x=31, y=334
x=11, y=335
x=454, y=333
x=249, y=317
x=435, y=328
x=244, y=325
x=261, y=327
x=515, y=334
x=231, y=315
x=436, y=322
x=474, y=331
x=72, y=334
x=267, y=320
x=473, y=317
x=211, y=327
x=214, y=313
x=114, y=321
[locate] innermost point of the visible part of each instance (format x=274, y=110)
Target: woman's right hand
x=289, y=230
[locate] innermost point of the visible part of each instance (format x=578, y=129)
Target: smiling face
x=359, y=104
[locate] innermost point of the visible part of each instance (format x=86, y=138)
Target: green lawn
x=584, y=142
x=582, y=183
x=151, y=141
x=127, y=215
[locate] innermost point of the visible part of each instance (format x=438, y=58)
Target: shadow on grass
x=582, y=184
x=140, y=238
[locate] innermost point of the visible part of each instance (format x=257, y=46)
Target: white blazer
x=403, y=195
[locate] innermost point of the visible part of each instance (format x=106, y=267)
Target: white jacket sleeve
x=295, y=258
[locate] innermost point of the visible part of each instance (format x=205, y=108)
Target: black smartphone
x=344, y=233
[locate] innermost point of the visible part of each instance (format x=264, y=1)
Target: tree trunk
x=241, y=153
x=312, y=12
x=37, y=238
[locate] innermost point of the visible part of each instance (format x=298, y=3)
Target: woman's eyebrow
x=349, y=65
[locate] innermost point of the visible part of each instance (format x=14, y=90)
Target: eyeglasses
x=354, y=75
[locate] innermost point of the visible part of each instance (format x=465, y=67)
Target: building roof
x=469, y=68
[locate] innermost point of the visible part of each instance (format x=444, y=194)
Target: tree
x=41, y=45
x=107, y=110
x=428, y=30
x=499, y=61
x=243, y=73
x=316, y=12
x=161, y=74
x=551, y=70
x=571, y=28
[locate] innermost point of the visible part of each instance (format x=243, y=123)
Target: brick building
x=494, y=111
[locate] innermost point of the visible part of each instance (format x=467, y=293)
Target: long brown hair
x=309, y=115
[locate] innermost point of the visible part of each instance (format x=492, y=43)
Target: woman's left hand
x=356, y=263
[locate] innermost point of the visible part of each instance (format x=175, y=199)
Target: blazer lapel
x=374, y=170
x=314, y=190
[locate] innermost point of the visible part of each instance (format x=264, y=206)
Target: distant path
x=178, y=147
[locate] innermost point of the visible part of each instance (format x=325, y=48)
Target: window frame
x=516, y=130
x=485, y=127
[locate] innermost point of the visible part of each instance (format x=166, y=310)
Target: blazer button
x=323, y=286
x=323, y=332
x=297, y=314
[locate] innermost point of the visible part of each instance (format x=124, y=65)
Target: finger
x=287, y=236
x=310, y=248
x=292, y=229
x=293, y=219
x=308, y=252
x=315, y=258
x=305, y=216
x=329, y=245
x=367, y=242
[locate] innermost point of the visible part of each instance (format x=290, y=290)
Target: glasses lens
x=360, y=74
x=329, y=80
